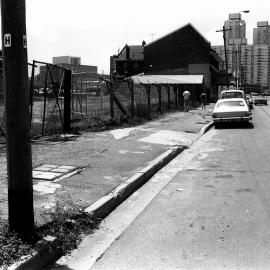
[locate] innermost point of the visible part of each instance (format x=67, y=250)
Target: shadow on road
x=247, y=125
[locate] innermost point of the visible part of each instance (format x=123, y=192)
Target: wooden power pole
x=19, y=155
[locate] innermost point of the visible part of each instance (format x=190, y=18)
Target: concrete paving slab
x=45, y=175
x=45, y=167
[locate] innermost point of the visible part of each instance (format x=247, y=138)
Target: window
x=227, y=103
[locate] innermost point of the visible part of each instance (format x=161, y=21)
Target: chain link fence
x=93, y=100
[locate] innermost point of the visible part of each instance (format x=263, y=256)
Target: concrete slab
x=45, y=175
x=51, y=172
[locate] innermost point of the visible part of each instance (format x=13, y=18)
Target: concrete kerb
x=101, y=208
x=205, y=128
x=41, y=259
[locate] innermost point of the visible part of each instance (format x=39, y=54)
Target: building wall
x=80, y=68
x=88, y=73
x=73, y=60
x=239, y=61
x=261, y=65
x=129, y=61
x=176, y=51
x=203, y=69
x=246, y=59
x=261, y=34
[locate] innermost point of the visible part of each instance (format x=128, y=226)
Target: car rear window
x=233, y=103
x=232, y=95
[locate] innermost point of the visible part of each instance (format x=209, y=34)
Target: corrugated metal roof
x=167, y=79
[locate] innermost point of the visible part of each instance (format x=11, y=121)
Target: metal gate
x=46, y=99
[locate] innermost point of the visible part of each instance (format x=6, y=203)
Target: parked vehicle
x=231, y=110
x=237, y=93
x=232, y=93
x=49, y=92
x=259, y=100
x=266, y=93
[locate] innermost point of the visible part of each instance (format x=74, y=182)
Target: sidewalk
x=93, y=164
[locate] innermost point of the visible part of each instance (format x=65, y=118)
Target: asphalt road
x=208, y=209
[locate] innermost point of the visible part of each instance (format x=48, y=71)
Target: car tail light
x=247, y=114
x=214, y=115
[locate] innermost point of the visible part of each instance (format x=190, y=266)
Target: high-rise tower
x=250, y=64
x=261, y=34
x=237, y=32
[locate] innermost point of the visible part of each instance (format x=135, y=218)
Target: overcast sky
x=94, y=30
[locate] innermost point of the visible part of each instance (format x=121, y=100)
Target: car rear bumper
x=232, y=119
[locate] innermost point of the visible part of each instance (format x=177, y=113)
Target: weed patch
x=69, y=225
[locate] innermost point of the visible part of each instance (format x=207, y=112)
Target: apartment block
x=261, y=34
x=260, y=72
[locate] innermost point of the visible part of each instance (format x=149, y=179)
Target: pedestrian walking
x=186, y=95
x=203, y=99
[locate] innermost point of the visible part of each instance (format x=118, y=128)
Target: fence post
x=148, y=101
x=110, y=87
x=175, y=97
x=132, y=98
x=169, y=96
x=67, y=100
x=31, y=92
x=131, y=89
x=147, y=88
x=159, y=97
x=45, y=101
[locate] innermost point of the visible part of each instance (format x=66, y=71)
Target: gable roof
x=178, y=29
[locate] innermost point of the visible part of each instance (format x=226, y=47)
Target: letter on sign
x=7, y=40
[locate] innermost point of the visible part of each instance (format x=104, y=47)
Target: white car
x=231, y=110
x=233, y=93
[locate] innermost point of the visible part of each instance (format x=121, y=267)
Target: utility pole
x=225, y=52
x=19, y=155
